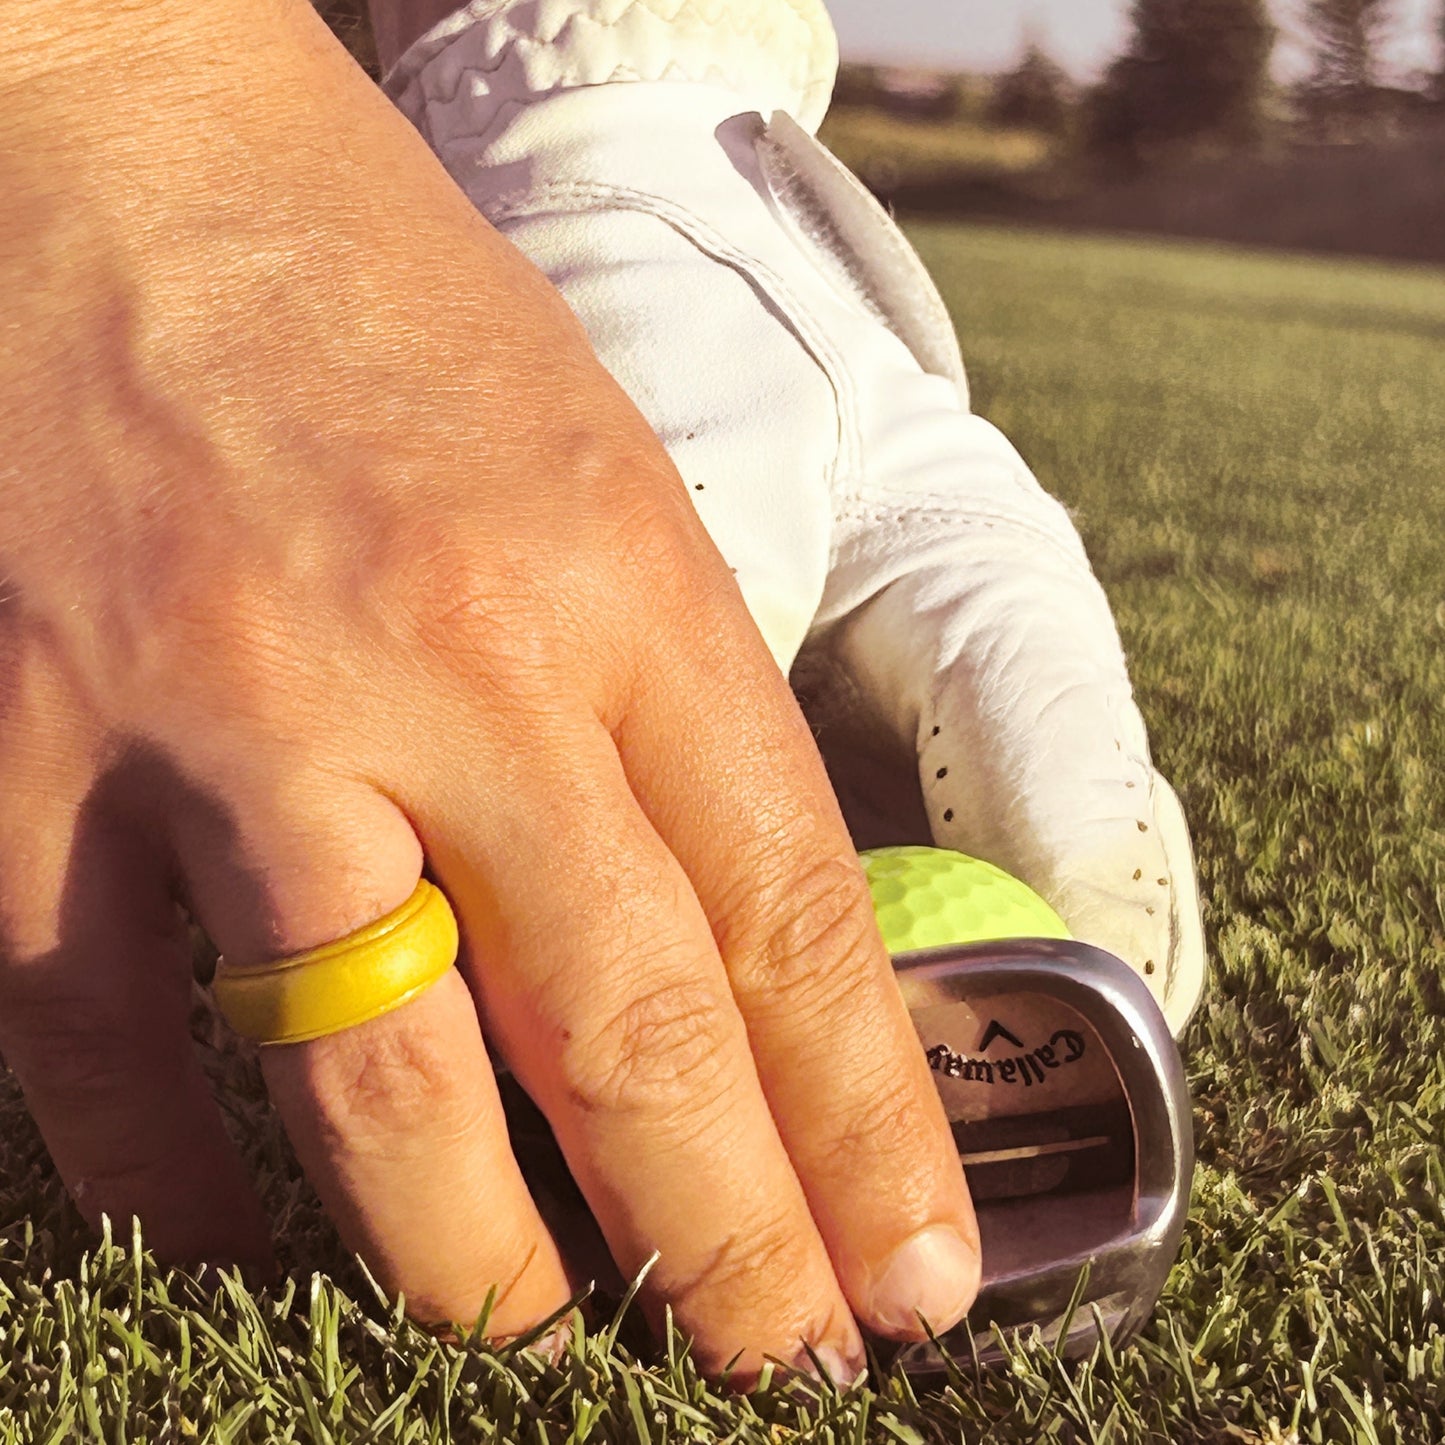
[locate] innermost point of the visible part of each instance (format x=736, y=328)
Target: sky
x=987, y=35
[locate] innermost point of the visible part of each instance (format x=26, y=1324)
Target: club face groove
x=1069, y=1106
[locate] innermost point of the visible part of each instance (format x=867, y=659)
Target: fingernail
x=934, y=1274
x=555, y=1343
x=843, y=1368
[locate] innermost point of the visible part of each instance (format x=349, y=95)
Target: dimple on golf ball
x=933, y=898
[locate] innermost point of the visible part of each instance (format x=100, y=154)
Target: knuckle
x=520, y=610
x=226, y=653
x=662, y=1049
x=69, y=1043
x=639, y=650
x=892, y=1136
x=757, y=1272
x=648, y=545
x=629, y=507
x=387, y=1084
x=808, y=938
x=654, y=543
x=232, y=618
x=481, y=620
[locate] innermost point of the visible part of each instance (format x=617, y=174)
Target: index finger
x=721, y=760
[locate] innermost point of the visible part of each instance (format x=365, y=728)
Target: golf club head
x=1068, y=1103
x=1069, y=1106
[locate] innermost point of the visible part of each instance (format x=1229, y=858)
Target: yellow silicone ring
x=339, y=985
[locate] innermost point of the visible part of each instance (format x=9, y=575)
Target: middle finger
x=839, y=1058
x=600, y=982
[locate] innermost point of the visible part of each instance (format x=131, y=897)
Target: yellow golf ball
x=933, y=897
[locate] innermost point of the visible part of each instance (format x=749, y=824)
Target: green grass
x=1253, y=448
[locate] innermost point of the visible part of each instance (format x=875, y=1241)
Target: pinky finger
x=95, y=993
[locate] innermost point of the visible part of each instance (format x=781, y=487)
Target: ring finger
x=397, y=1120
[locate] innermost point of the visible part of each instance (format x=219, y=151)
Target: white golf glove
x=933, y=605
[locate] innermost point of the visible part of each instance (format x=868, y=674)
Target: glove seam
x=522, y=204
x=874, y=514
x=622, y=74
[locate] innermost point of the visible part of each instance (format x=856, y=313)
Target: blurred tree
x=1037, y=95
x=1342, y=85
x=922, y=94
x=1439, y=86
x=1194, y=71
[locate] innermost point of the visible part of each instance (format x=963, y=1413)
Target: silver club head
x=1070, y=1109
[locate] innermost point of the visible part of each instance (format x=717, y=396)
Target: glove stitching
x=526, y=44
x=1178, y=928
x=873, y=514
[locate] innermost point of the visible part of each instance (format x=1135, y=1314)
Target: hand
x=329, y=549
x=953, y=649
